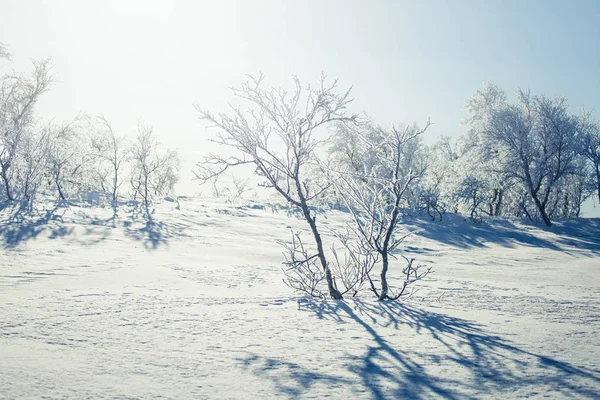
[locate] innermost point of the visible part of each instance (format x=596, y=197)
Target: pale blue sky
x=407, y=60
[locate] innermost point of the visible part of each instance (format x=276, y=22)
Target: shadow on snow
x=20, y=223
x=458, y=231
x=24, y=223
x=472, y=362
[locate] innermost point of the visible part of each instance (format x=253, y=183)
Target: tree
x=111, y=151
x=539, y=139
x=3, y=52
x=434, y=190
x=153, y=174
x=481, y=158
x=18, y=96
x=33, y=160
x=278, y=135
x=373, y=182
x=67, y=157
x=591, y=147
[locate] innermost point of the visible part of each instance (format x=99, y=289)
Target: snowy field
x=191, y=305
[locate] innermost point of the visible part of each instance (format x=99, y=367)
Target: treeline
x=81, y=155
x=530, y=158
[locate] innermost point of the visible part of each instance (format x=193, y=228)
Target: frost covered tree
x=68, y=160
x=19, y=92
x=591, y=148
x=33, y=160
x=4, y=52
x=480, y=166
x=110, y=151
x=470, y=183
x=278, y=133
x=154, y=173
x=434, y=191
x=375, y=169
x=539, y=143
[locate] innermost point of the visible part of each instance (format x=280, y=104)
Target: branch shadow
x=454, y=230
x=289, y=378
x=20, y=222
x=142, y=226
x=476, y=364
x=23, y=223
x=582, y=233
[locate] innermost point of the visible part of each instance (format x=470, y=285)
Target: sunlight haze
x=406, y=61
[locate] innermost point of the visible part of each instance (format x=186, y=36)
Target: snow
x=189, y=303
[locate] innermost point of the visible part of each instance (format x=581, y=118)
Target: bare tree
x=374, y=190
x=66, y=157
x=278, y=135
x=241, y=185
x=111, y=151
x=18, y=96
x=33, y=160
x=153, y=174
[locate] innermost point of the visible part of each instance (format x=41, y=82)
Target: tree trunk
x=384, y=269
x=114, y=192
x=499, y=203
x=146, y=188
x=598, y=180
x=333, y=291
x=542, y=209
x=7, y=190
x=26, y=188
x=61, y=195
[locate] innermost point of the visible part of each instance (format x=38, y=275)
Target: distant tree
x=482, y=158
x=278, y=134
x=539, y=140
x=110, y=151
x=435, y=190
x=153, y=173
x=18, y=95
x=33, y=160
x=67, y=157
x=377, y=169
x=591, y=147
x=4, y=52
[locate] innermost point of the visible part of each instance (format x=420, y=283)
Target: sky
x=406, y=60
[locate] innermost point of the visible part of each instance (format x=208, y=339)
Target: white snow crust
x=188, y=303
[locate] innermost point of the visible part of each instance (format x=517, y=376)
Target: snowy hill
x=188, y=303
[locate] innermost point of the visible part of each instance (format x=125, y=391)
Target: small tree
x=110, y=151
x=18, y=96
x=153, y=174
x=278, y=135
x=434, y=189
x=67, y=157
x=374, y=185
x=33, y=160
x=3, y=52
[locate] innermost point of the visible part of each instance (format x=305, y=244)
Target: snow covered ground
x=190, y=304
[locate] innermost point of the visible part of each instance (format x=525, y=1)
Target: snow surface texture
x=189, y=303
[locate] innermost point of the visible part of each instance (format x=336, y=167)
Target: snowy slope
x=191, y=305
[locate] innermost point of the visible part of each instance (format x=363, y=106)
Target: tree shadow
x=290, y=378
x=20, y=222
x=583, y=233
x=475, y=364
x=23, y=223
x=456, y=231
x=142, y=226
